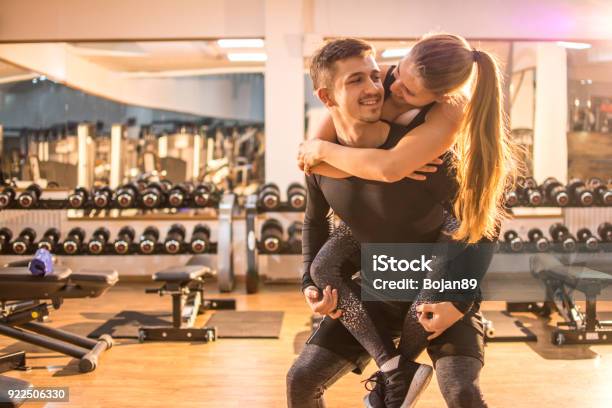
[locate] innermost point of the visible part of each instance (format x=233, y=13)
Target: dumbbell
x=514, y=242
x=30, y=196
x=531, y=194
x=174, y=239
x=512, y=198
x=74, y=240
x=561, y=235
x=126, y=196
x=178, y=195
x=604, y=230
x=536, y=236
x=200, y=239
x=601, y=191
x=555, y=192
x=272, y=235
x=148, y=240
x=296, y=196
x=166, y=185
x=530, y=182
x=585, y=236
x=78, y=198
x=205, y=194
x=579, y=193
x=153, y=196
x=24, y=241
x=99, y=238
x=295, y=236
x=124, y=240
x=6, y=197
x=269, y=196
x=49, y=239
x=5, y=237
x=102, y=197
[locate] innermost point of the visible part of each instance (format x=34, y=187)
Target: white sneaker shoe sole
x=419, y=383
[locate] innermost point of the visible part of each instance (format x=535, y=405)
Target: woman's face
x=408, y=86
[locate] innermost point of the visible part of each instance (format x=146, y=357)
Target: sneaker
x=405, y=384
x=376, y=385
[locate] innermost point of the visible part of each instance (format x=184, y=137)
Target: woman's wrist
x=322, y=150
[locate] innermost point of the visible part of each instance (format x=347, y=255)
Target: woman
x=431, y=76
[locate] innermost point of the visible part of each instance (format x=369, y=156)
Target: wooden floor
x=251, y=373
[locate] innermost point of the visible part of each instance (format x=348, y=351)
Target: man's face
x=357, y=89
x=408, y=87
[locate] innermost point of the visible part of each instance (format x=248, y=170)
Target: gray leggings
x=317, y=368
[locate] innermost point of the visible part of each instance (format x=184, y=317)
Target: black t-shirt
x=406, y=211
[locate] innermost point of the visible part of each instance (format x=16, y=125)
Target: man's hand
x=324, y=303
x=437, y=317
x=430, y=167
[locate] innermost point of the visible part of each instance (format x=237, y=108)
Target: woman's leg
x=334, y=265
x=458, y=378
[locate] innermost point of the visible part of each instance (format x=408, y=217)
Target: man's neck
x=359, y=134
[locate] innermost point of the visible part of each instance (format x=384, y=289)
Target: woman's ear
x=325, y=96
x=443, y=98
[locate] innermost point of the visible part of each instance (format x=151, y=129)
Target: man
x=347, y=80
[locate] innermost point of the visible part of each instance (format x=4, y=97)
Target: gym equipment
x=8, y=362
x=30, y=196
x=530, y=193
x=175, y=239
x=225, y=250
x=78, y=198
x=99, y=238
x=186, y=286
x=296, y=196
x=206, y=195
x=271, y=236
x=74, y=240
x=561, y=280
x=102, y=197
x=512, y=198
x=555, y=192
x=200, y=239
x=269, y=197
x=125, y=237
x=127, y=196
x=49, y=239
x=295, y=236
x=502, y=327
x=24, y=242
x=42, y=263
x=148, y=240
x=561, y=236
x=601, y=191
x=579, y=193
x=539, y=241
x=177, y=195
x=24, y=306
x=153, y=196
x=513, y=241
x=6, y=197
x=5, y=237
x=585, y=237
x=604, y=230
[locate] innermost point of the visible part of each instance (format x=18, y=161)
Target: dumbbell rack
x=222, y=248
x=253, y=246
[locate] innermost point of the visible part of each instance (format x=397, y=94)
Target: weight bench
x=186, y=286
x=24, y=306
x=561, y=280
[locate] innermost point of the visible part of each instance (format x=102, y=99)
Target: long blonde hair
x=486, y=157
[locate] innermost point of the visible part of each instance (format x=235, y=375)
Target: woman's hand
x=437, y=317
x=310, y=154
x=325, y=304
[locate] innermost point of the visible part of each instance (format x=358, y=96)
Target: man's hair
x=322, y=63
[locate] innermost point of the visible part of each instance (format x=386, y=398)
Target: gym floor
x=251, y=373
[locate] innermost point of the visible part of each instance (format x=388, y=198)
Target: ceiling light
x=241, y=43
x=247, y=57
x=574, y=45
x=395, y=52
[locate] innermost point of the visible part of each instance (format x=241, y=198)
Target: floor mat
x=247, y=325
x=125, y=324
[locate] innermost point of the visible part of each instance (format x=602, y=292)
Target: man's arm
x=316, y=227
x=420, y=146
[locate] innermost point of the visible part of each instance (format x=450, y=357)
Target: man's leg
x=315, y=370
x=458, y=378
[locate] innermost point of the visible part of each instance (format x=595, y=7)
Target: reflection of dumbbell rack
x=255, y=247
